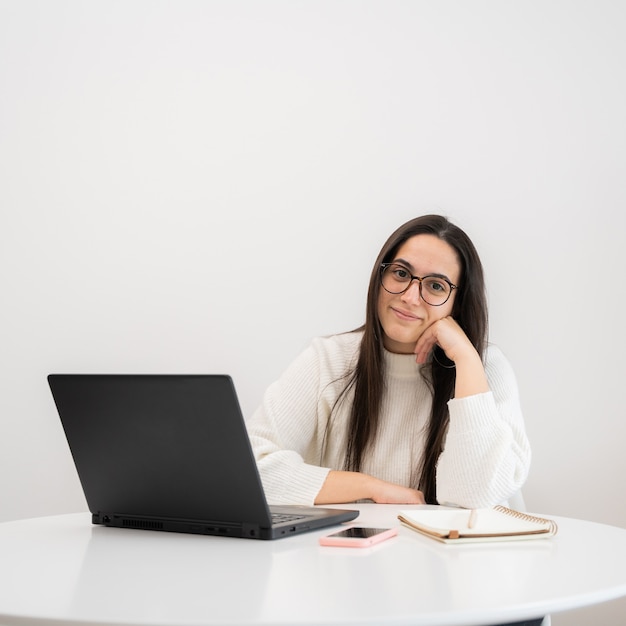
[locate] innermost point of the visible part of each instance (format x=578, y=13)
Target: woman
x=412, y=407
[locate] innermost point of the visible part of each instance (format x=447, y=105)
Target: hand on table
x=341, y=487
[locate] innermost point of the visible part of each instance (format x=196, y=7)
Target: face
x=405, y=316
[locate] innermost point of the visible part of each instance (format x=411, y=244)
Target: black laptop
x=171, y=452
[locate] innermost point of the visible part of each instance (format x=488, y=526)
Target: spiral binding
x=552, y=525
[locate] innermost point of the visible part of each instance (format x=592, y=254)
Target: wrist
x=464, y=354
x=470, y=376
x=342, y=486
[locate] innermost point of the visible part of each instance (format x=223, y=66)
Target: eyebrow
x=412, y=270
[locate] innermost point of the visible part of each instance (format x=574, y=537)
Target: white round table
x=64, y=570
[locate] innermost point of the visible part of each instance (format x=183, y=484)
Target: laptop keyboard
x=284, y=518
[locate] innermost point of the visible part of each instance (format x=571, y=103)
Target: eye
x=400, y=273
x=436, y=285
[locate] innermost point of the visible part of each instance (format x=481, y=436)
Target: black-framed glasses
x=434, y=290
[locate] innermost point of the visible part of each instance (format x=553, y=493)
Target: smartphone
x=358, y=537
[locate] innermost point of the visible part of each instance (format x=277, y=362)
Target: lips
x=405, y=315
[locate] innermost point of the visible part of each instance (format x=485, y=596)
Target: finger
x=424, y=345
x=444, y=333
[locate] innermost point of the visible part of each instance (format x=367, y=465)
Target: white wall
x=179, y=182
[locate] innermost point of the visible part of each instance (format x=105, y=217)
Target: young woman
x=412, y=407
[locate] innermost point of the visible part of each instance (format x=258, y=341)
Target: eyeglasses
x=434, y=290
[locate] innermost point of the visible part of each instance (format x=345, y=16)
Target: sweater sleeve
x=486, y=456
x=285, y=433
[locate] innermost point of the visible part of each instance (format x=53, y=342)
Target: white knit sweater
x=486, y=454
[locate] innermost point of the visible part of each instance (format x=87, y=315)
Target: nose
x=412, y=295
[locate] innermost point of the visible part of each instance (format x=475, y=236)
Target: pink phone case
x=361, y=542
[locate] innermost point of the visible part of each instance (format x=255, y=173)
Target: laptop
x=172, y=453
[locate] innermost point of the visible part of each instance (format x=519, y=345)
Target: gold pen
x=471, y=522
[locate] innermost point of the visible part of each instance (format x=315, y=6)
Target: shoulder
x=494, y=357
x=337, y=352
x=498, y=367
x=332, y=356
x=344, y=343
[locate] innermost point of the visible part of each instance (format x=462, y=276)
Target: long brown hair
x=368, y=377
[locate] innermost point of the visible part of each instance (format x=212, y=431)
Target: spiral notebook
x=451, y=525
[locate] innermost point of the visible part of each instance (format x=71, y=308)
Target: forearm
x=341, y=486
x=486, y=455
x=470, y=375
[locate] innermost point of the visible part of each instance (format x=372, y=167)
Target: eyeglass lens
x=397, y=279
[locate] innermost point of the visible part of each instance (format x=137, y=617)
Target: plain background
x=204, y=186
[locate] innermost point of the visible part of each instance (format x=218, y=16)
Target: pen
x=471, y=522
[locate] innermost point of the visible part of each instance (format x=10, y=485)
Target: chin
x=399, y=345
